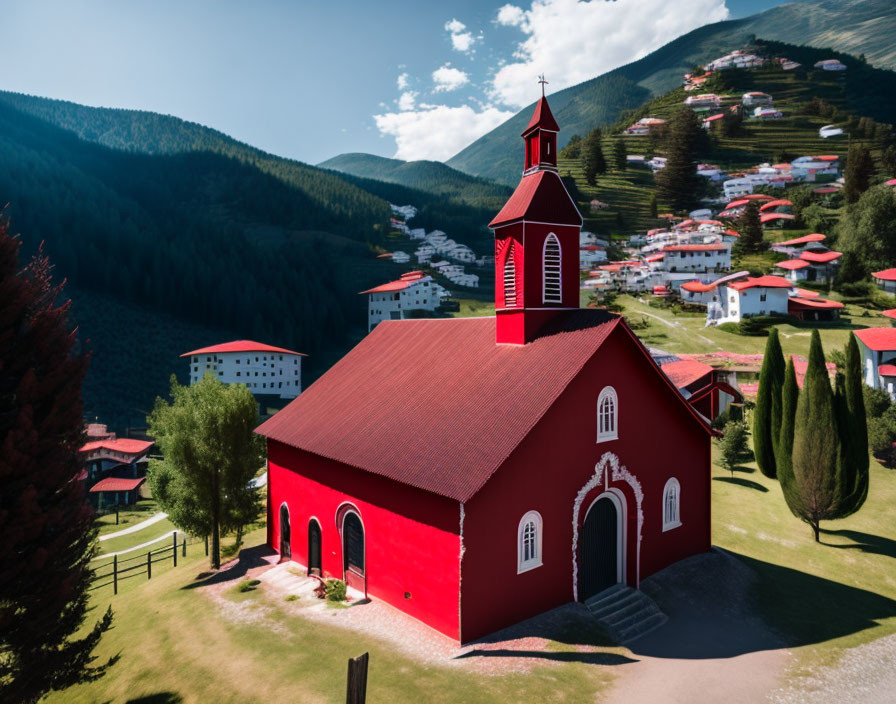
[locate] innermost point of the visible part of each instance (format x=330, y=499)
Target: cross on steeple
x=543, y=84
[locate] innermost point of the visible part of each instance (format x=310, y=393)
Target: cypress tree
x=46, y=523
x=620, y=154
x=678, y=183
x=790, y=394
x=858, y=172
x=813, y=493
x=593, y=161
x=854, y=433
x=767, y=415
x=749, y=226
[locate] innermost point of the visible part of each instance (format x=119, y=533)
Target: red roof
x=117, y=484
x=241, y=346
x=655, y=257
x=821, y=257
x=695, y=247
x=685, y=223
x=891, y=313
x=542, y=118
x=885, y=275
x=761, y=282
x=886, y=369
x=127, y=446
x=792, y=264
x=827, y=157
x=406, y=281
x=774, y=204
x=806, y=293
x=805, y=239
x=890, y=182
x=737, y=203
x=685, y=372
x=826, y=189
x=698, y=286
x=812, y=304
x=878, y=339
x=769, y=217
x=387, y=409
x=757, y=196
x=713, y=118
x=731, y=233
x=709, y=222
x=539, y=197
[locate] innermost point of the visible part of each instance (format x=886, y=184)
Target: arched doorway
x=314, y=541
x=285, y=546
x=353, y=544
x=602, y=546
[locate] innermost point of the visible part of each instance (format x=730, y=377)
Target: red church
x=474, y=472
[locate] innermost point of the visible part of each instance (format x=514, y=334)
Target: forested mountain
x=208, y=244
x=854, y=25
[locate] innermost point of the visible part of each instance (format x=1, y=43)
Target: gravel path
x=160, y=516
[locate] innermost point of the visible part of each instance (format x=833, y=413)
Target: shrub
x=729, y=327
x=734, y=443
x=751, y=327
x=336, y=590
x=248, y=585
x=292, y=597
x=857, y=289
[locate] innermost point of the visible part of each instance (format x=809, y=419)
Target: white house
x=764, y=295
x=704, y=100
x=737, y=187
x=878, y=349
x=830, y=131
x=766, y=113
x=830, y=65
x=401, y=257
x=754, y=98
x=794, y=270
x=391, y=301
x=463, y=279
x=424, y=253
x=265, y=370
x=697, y=257
x=886, y=280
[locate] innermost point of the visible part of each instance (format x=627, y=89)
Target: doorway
x=285, y=545
x=314, y=547
x=602, y=547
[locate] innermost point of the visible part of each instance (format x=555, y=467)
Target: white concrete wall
x=392, y=305
x=264, y=373
x=711, y=260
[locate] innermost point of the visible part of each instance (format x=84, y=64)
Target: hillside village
x=455, y=485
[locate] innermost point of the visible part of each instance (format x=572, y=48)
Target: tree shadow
x=248, y=559
x=874, y=544
x=586, y=658
x=740, y=481
x=157, y=698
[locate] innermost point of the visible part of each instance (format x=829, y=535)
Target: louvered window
x=551, y=269
x=509, y=280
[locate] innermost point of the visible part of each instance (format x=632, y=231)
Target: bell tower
x=536, y=240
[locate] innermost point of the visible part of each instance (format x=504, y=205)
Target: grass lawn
x=127, y=516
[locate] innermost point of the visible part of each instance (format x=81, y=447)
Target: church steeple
x=536, y=240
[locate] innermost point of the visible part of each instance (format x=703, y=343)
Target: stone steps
x=625, y=614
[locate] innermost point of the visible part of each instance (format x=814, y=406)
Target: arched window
x=529, y=542
x=509, y=279
x=607, y=415
x=552, y=282
x=671, y=503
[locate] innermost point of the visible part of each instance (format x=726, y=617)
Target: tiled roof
x=761, y=282
x=241, y=346
x=127, y=446
x=792, y=264
x=406, y=281
x=539, y=197
x=879, y=339
x=685, y=372
x=117, y=484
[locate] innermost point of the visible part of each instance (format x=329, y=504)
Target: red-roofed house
x=115, y=458
x=697, y=257
x=878, y=349
x=706, y=388
x=392, y=301
x=886, y=280
x=763, y=295
x=266, y=370
x=509, y=477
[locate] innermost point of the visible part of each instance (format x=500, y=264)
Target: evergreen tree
x=211, y=453
x=593, y=161
x=867, y=231
x=767, y=414
x=654, y=208
x=749, y=226
x=853, y=433
x=678, y=183
x=573, y=148
x=45, y=522
x=858, y=172
x=813, y=493
x=620, y=154
x=790, y=394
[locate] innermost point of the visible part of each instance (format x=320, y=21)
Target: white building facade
x=392, y=301
x=264, y=369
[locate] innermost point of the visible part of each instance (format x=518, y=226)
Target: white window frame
x=603, y=434
x=556, y=296
x=510, y=276
x=670, y=522
x=523, y=565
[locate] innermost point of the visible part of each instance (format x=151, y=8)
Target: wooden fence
x=121, y=569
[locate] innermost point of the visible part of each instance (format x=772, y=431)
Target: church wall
x=412, y=542
x=534, y=235
x=658, y=438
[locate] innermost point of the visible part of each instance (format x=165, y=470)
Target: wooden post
x=174, y=549
x=116, y=514
x=206, y=546
x=115, y=574
x=149, y=565
x=356, y=690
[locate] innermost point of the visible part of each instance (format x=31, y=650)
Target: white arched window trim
x=528, y=542
x=551, y=274
x=509, y=279
x=671, y=504
x=607, y=415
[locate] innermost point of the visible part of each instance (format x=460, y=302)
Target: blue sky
x=310, y=80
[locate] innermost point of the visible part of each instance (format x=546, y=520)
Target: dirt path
x=711, y=650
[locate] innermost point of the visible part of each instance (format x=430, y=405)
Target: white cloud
x=573, y=40
x=461, y=39
x=407, y=100
x=448, y=79
x=438, y=131
x=402, y=81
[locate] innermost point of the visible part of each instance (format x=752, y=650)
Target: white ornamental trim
x=617, y=473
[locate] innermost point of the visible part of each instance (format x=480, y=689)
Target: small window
x=671, y=504
x=607, y=415
x=529, y=542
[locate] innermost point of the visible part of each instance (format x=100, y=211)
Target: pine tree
x=858, y=172
x=654, y=208
x=620, y=154
x=790, y=394
x=767, y=415
x=678, y=183
x=853, y=433
x=749, y=226
x=813, y=494
x=45, y=522
x=593, y=161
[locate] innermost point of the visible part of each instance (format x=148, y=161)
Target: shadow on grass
x=865, y=542
x=740, y=481
x=158, y=698
x=584, y=658
x=249, y=558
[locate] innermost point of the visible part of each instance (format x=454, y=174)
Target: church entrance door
x=314, y=547
x=601, y=560
x=285, y=546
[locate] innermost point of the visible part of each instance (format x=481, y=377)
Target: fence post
x=356, y=689
x=206, y=546
x=183, y=546
x=174, y=550
x=149, y=564
x=115, y=574
x=116, y=514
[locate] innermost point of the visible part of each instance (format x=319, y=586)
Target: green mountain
x=171, y=236
x=854, y=25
